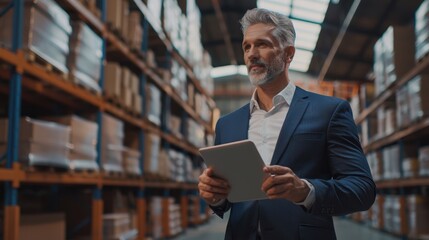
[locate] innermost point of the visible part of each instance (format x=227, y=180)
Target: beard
x=268, y=72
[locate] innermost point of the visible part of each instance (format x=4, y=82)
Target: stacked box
x=393, y=56
x=153, y=107
x=41, y=143
x=83, y=137
x=112, y=79
x=116, y=225
x=123, y=85
x=46, y=31
x=402, y=107
x=131, y=161
x=174, y=125
x=151, y=153
x=386, y=119
x=155, y=217
x=84, y=60
x=379, y=68
x=196, y=134
x=114, y=14
x=375, y=209
x=164, y=164
x=112, y=135
x=179, y=80
x=390, y=124
x=391, y=162
x=125, y=15
x=418, y=93
x=418, y=213
x=399, y=50
x=410, y=167
x=424, y=161
x=177, y=166
x=392, y=216
x=174, y=217
x=135, y=31
x=369, y=129
x=175, y=24
x=50, y=226
x=421, y=33
x=194, y=210
x=375, y=165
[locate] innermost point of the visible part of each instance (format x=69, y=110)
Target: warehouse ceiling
x=336, y=56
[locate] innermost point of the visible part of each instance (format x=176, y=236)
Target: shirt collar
x=284, y=95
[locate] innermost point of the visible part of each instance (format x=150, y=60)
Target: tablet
x=241, y=164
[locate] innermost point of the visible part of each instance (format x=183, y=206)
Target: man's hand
x=283, y=183
x=212, y=189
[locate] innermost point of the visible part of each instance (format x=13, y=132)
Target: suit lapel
x=296, y=111
x=242, y=129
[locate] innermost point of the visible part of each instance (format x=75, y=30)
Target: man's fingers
x=209, y=178
x=276, y=180
x=277, y=170
x=213, y=189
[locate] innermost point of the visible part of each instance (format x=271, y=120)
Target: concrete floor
x=346, y=230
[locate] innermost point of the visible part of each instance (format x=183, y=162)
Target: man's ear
x=289, y=53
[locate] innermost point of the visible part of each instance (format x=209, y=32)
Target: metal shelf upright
x=12, y=210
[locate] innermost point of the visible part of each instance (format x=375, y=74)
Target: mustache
x=256, y=62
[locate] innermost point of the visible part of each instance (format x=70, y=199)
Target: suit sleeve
x=351, y=187
x=220, y=210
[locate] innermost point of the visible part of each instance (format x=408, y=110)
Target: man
x=309, y=143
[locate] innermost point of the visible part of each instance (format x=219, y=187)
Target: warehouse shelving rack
x=22, y=76
x=415, y=131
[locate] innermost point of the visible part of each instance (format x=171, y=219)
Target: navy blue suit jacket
x=319, y=142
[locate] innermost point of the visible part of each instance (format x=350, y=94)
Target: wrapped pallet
x=46, y=31
x=83, y=137
x=84, y=60
x=112, y=144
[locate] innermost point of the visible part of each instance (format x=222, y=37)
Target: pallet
x=151, y=177
x=40, y=61
x=84, y=171
x=114, y=174
x=79, y=84
x=45, y=168
x=114, y=100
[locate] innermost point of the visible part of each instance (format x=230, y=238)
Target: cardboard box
x=418, y=214
x=39, y=154
x=418, y=93
x=112, y=77
x=131, y=161
x=151, y=153
x=43, y=226
x=137, y=103
x=45, y=132
x=45, y=22
x=115, y=224
x=399, y=46
x=83, y=132
x=124, y=21
x=114, y=14
x=402, y=108
x=153, y=104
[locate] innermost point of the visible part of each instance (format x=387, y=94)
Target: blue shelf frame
x=14, y=105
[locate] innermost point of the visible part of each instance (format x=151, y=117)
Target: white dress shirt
x=264, y=129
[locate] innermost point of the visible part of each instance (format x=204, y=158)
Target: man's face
x=263, y=55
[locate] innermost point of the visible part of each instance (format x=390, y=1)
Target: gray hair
x=284, y=31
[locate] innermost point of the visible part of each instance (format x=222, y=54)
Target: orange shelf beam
x=11, y=222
